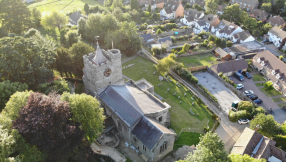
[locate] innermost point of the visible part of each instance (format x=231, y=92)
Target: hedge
x=208, y=92
x=234, y=116
x=188, y=76
x=280, y=141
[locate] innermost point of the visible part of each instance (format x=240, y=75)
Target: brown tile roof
x=277, y=20
x=278, y=32
x=221, y=52
x=258, y=12
x=242, y=35
x=230, y=66
x=221, y=7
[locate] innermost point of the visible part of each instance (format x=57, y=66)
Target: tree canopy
x=53, y=19
x=211, y=6
x=267, y=7
x=244, y=158
x=234, y=13
x=268, y=85
x=59, y=85
x=267, y=124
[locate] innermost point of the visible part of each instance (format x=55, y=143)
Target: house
x=192, y=15
x=257, y=146
x=146, y=38
x=229, y=67
x=172, y=10
x=220, y=9
x=74, y=17
x=166, y=42
x=228, y=31
x=143, y=2
x=220, y=25
x=258, y=14
x=204, y=23
x=277, y=36
x=199, y=26
x=242, y=37
x=223, y=55
x=139, y=117
x=276, y=21
x=245, y=4
x=155, y=4
x=243, y=49
x=273, y=68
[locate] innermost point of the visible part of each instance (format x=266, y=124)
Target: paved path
x=111, y=152
x=280, y=102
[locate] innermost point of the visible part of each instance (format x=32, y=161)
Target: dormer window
x=262, y=63
x=277, y=76
x=258, y=60
x=273, y=72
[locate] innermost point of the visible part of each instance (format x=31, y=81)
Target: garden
x=206, y=59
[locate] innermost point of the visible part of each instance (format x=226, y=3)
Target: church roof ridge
x=99, y=57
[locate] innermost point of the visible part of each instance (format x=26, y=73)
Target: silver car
x=243, y=121
x=248, y=92
x=239, y=86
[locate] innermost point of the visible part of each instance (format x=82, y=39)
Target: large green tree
x=211, y=6
x=234, y=13
x=63, y=62
x=81, y=26
x=59, y=85
x=86, y=110
x=117, y=3
x=8, y=88
x=53, y=19
x=36, y=16
x=125, y=38
x=25, y=60
x=278, y=6
x=86, y=8
x=244, y=158
x=250, y=24
x=210, y=148
x=14, y=15
x=267, y=124
x=134, y=5
x=267, y=7
x=266, y=27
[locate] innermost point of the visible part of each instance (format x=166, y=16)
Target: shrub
x=246, y=105
x=220, y=74
x=268, y=85
x=186, y=47
x=214, y=116
x=229, y=43
x=281, y=57
x=181, y=52
x=283, y=128
x=248, y=70
x=195, y=37
x=234, y=116
x=156, y=51
x=181, y=38
x=159, y=31
x=280, y=141
x=171, y=25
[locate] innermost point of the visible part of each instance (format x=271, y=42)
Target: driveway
x=278, y=113
x=224, y=96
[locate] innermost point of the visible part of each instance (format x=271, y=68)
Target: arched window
x=163, y=147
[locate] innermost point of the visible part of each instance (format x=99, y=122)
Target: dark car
x=246, y=74
x=253, y=97
x=258, y=101
x=238, y=76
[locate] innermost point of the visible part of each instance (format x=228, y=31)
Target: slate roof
x=163, y=40
x=221, y=7
x=146, y=37
x=222, y=23
x=248, y=2
x=149, y=132
x=190, y=18
x=74, y=17
x=257, y=12
x=230, y=66
x=171, y=6
x=193, y=12
x=242, y=35
x=278, y=32
x=228, y=29
x=130, y=103
x=202, y=22
x=276, y=20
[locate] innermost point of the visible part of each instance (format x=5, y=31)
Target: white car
x=248, y=92
x=243, y=121
x=239, y=86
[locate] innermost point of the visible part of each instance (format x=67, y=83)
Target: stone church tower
x=101, y=70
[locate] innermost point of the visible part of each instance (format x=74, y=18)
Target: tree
x=266, y=27
x=211, y=6
x=86, y=110
x=165, y=64
x=149, y=8
x=250, y=24
x=72, y=37
x=7, y=89
x=81, y=27
x=86, y=8
x=156, y=51
x=283, y=128
x=126, y=38
x=186, y=47
x=245, y=158
x=267, y=7
x=211, y=38
x=15, y=15
x=63, y=62
x=278, y=6
x=268, y=85
x=59, y=85
x=210, y=148
x=53, y=19
x=36, y=16
x=117, y=3
x=198, y=7
x=26, y=60
x=229, y=43
x=234, y=13
x=159, y=31
x=134, y=5
x=217, y=41
x=267, y=124
x=45, y=122
x=77, y=50
x=245, y=105
x=223, y=43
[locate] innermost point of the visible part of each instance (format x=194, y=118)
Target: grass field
x=279, y=99
x=283, y=104
x=258, y=84
x=257, y=77
x=62, y=5
x=271, y=93
x=180, y=116
x=206, y=59
x=187, y=138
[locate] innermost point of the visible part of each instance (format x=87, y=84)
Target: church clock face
x=107, y=72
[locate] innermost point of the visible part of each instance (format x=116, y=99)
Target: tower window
x=144, y=148
x=160, y=119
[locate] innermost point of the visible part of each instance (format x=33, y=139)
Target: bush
x=171, y=25
x=186, y=47
x=208, y=93
x=234, y=116
x=181, y=38
x=187, y=75
x=245, y=105
x=156, y=51
x=268, y=85
x=181, y=52
x=283, y=128
x=220, y=74
x=214, y=116
x=280, y=141
x=159, y=31
x=229, y=43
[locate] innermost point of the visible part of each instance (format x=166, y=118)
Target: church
x=139, y=116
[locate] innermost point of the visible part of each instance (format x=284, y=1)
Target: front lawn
x=271, y=93
x=281, y=105
x=257, y=77
x=180, y=116
x=279, y=99
x=187, y=138
x=206, y=59
x=62, y=5
x=258, y=84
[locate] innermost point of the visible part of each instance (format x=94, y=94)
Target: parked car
x=258, y=101
x=248, y=92
x=253, y=97
x=243, y=121
x=239, y=86
x=238, y=76
x=246, y=74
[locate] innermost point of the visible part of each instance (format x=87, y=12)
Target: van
x=238, y=76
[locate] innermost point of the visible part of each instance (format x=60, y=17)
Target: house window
x=144, y=148
x=160, y=119
x=134, y=139
x=163, y=147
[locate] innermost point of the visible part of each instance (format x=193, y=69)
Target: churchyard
x=206, y=59
x=180, y=115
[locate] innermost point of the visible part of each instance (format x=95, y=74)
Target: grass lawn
x=257, y=77
x=271, y=93
x=62, y=5
x=187, y=138
x=258, y=84
x=279, y=99
x=206, y=59
x=283, y=104
x=180, y=116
